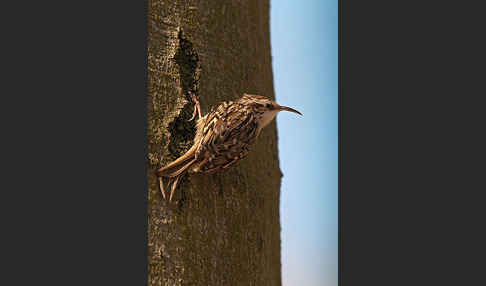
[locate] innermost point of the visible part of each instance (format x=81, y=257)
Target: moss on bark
x=221, y=229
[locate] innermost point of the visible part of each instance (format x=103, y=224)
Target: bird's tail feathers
x=175, y=170
x=172, y=181
x=182, y=163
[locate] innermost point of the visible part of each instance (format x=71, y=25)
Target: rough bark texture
x=221, y=229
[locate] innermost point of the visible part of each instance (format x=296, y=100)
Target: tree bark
x=223, y=228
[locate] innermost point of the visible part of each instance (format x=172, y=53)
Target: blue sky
x=304, y=39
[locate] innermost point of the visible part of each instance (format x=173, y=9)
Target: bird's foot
x=197, y=106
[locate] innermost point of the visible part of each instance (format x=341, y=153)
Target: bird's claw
x=193, y=114
x=197, y=106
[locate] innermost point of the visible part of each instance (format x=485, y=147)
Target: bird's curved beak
x=280, y=108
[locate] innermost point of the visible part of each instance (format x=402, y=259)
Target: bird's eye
x=267, y=105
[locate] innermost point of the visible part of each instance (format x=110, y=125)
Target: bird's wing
x=228, y=131
x=224, y=124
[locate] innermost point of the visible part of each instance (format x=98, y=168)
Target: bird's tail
x=175, y=170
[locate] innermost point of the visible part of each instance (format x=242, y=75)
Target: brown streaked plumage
x=223, y=136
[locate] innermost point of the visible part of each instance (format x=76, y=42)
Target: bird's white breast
x=267, y=117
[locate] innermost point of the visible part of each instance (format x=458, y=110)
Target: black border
x=411, y=129
x=73, y=111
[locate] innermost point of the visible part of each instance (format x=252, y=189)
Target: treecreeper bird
x=223, y=136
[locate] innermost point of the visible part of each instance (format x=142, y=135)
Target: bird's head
x=266, y=107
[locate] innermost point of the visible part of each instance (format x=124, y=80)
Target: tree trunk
x=223, y=228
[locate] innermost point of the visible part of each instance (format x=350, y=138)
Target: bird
x=223, y=136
